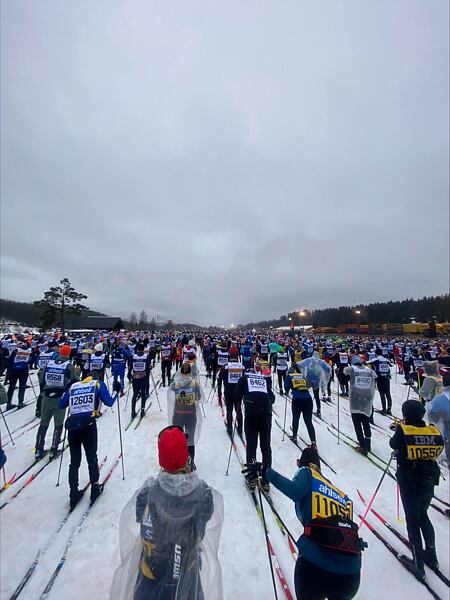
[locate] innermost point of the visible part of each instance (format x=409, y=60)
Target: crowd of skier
x=175, y=552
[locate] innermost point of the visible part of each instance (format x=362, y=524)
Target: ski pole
x=128, y=393
x=120, y=434
x=32, y=386
x=231, y=447
x=285, y=410
x=338, y=415
x=156, y=391
x=369, y=506
x=62, y=452
x=399, y=519
x=275, y=512
x=7, y=428
x=263, y=519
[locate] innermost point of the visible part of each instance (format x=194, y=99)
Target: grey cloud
x=218, y=162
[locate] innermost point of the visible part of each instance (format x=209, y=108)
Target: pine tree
x=58, y=302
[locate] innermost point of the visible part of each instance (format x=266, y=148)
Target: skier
x=362, y=391
x=281, y=364
x=183, y=398
x=57, y=376
x=83, y=399
x=167, y=354
x=229, y=375
x=301, y=402
x=18, y=371
x=256, y=391
x=44, y=357
x=340, y=360
x=247, y=355
x=120, y=355
x=381, y=366
x=329, y=562
x=99, y=361
x=418, y=446
x=174, y=553
x=139, y=364
x=432, y=382
x=438, y=413
x=316, y=372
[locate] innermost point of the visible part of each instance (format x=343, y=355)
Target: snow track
x=28, y=521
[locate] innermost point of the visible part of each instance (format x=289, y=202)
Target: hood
x=431, y=367
x=180, y=484
x=316, y=355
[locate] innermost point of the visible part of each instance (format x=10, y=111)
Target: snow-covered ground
x=29, y=520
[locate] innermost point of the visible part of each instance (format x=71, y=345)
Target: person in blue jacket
x=329, y=562
x=438, y=412
x=119, y=357
x=83, y=399
x=301, y=402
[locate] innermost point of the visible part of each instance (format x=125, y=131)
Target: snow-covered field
x=29, y=520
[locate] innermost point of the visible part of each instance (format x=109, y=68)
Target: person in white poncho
x=170, y=532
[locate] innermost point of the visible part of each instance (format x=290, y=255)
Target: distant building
x=103, y=323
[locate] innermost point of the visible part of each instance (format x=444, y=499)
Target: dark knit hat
x=413, y=410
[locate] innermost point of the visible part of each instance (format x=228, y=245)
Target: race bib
x=222, y=360
x=328, y=500
x=21, y=357
x=82, y=399
x=139, y=366
x=418, y=363
x=54, y=375
x=363, y=379
x=184, y=398
x=384, y=368
x=234, y=375
x=257, y=384
x=343, y=358
x=299, y=382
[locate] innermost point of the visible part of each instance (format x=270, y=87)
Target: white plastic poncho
x=315, y=370
x=362, y=389
x=169, y=535
x=183, y=405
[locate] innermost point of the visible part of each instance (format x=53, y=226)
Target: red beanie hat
x=65, y=351
x=172, y=449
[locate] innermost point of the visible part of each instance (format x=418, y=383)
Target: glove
x=253, y=470
x=116, y=386
x=393, y=426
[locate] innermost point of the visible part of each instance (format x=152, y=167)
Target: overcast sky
x=223, y=161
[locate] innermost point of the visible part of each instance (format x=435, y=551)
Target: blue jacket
x=79, y=421
x=438, y=411
x=299, y=489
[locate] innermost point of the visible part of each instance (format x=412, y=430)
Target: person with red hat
x=180, y=519
x=54, y=379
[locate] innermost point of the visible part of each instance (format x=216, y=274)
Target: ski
x=381, y=459
x=40, y=552
x=142, y=416
x=130, y=422
x=402, y=538
x=8, y=483
x=24, y=425
x=300, y=448
x=290, y=540
x=30, y=479
x=19, y=435
x=33, y=464
x=353, y=445
x=275, y=562
x=397, y=555
x=75, y=531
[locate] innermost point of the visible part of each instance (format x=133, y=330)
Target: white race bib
x=257, y=384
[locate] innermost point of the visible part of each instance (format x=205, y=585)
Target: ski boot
x=361, y=450
x=20, y=405
x=96, y=491
x=142, y=413
x=9, y=406
x=230, y=431
x=415, y=566
x=39, y=453
x=318, y=414
x=74, y=498
x=388, y=411
x=293, y=438
x=53, y=453
x=265, y=486
x=429, y=557
x=251, y=483
x=122, y=394
x=240, y=433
